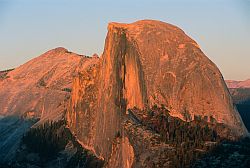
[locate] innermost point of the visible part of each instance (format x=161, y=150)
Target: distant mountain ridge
x=238, y=84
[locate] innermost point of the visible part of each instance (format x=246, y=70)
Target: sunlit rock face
x=173, y=71
x=39, y=88
x=81, y=115
x=145, y=63
x=177, y=73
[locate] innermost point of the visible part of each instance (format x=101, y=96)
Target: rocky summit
x=40, y=87
x=152, y=99
x=35, y=91
x=145, y=64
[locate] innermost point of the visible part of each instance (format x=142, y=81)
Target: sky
x=29, y=28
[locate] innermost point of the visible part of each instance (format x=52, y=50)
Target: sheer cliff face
x=144, y=64
x=39, y=88
x=82, y=110
x=173, y=71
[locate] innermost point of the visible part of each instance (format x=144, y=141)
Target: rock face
x=40, y=87
x=238, y=84
x=145, y=63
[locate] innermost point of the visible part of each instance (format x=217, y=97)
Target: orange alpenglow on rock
x=39, y=88
x=145, y=63
x=95, y=55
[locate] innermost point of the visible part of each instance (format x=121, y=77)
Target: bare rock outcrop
x=145, y=63
x=39, y=88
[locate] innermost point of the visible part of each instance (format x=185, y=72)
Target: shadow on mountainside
x=12, y=129
x=227, y=154
x=51, y=145
x=241, y=98
x=160, y=140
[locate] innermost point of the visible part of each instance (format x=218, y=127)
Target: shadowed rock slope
x=240, y=92
x=144, y=64
x=36, y=91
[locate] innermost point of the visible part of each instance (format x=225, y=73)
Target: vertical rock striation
x=145, y=63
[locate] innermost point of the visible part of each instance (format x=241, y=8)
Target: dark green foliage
x=228, y=154
x=7, y=70
x=197, y=118
x=42, y=83
x=176, y=131
x=4, y=74
x=205, y=118
x=84, y=159
x=52, y=137
x=241, y=97
x=47, y=139
x=244, y=110
x=67, y=90
x=190, y=139
x=212, y=120
x=187, y=116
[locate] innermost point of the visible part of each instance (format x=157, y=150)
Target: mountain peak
x=146, y=64
x=154, y=30
x=59, y=50
x=52, y=70
x=145, y=22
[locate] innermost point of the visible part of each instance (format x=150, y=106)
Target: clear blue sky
x=28, y=28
